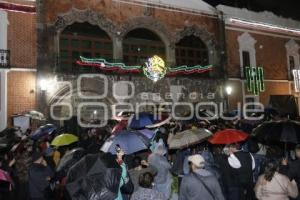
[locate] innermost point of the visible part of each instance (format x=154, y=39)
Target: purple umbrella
x=148, y=133
x=129, y=141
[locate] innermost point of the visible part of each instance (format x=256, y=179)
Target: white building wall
x=3, y=72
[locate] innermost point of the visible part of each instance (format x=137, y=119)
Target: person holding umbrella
x=242, y=165
x=39, y=175
x=239, y=164
x=126, y=186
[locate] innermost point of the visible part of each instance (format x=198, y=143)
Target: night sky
x=285, y=8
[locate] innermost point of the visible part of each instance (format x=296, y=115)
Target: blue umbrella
x=141, y=120
x=43, y=131
x=148, y=133
x=129, y=141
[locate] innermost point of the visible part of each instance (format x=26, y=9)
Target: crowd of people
x=246, y=170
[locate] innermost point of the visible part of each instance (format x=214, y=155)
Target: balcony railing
x=4, y=58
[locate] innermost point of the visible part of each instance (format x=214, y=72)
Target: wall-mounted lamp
x=44, y=84
x=47, y=84
x=228, y=90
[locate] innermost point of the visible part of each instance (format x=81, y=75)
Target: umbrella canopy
x=129, y=141
x=141, y=120
x=4, y=176
x=43, y=131
x=94, y=177
x=36, y=115
x=148, y=133
x=228, y=136
x=69, y=159
x=188, y=137
x=122, y=125
x=64, y=139
x=286, y=131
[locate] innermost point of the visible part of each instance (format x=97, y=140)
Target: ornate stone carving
x=200, y=32
x=246, y=41
x=149, y=11
x=147, y=23
x=292, y=47
x=94, y=18
x=204, y=35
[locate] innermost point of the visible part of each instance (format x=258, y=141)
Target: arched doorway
x=140, y=44
x=191, y=51
x=82, y=39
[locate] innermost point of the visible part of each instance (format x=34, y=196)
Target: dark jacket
x=294, y=171
x=192, y=189
x=38, y=180
x=243, y=174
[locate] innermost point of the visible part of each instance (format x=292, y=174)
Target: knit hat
x=197, y=160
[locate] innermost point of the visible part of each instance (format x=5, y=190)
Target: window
x=246, y=59
x=191, y=51
x=292, y=62
x=292, y=49
x=141, y=44
x=247, y=52
x=83, y=39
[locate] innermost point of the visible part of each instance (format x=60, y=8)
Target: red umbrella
x=4, y=176
x=120, y=126
x=228, y=136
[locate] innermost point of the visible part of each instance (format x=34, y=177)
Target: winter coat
x=163, y=179
x=38, y=179
x=279, y=188
x=123, y=177
x=147, y=194
x=192, y=189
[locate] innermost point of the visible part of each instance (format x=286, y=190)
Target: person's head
x=234, y=147
x=271, y=167
x=160, y=148
x=136, y=162
x=196, y=162
x=297, y=151
x=38, y=158
x=146, y=180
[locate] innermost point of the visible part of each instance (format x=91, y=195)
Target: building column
x=170, y=55
x=117, y=48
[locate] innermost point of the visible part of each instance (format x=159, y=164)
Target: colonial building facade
x=260, y=39
x=130, y=32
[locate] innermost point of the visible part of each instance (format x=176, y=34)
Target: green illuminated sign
x=255, y=80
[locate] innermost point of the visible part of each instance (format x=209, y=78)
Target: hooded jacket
x=192, y=189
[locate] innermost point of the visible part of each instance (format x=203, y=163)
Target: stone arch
x=92, y=17
x=204, y=35
x=150, y=24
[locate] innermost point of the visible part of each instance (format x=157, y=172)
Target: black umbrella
x=286, y=131
x=69, y=159
x=94, y=177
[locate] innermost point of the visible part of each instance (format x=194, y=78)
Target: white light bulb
x=228, y=90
